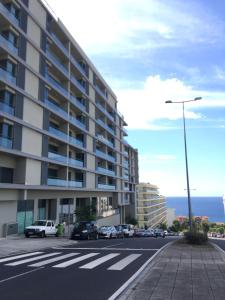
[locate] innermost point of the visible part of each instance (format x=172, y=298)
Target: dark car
x=85, y=230
x=159, y=233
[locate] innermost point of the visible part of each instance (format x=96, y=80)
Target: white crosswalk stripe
x=75, y=260
x=99, y=261
x=120, y=265
x=19, y=256
x=52, y=260
x=32, y=259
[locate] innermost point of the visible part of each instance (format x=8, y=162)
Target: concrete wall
x=33, y=57
x=31, y=141
x=33, y=172
x=90, y=180
x=38, y=11
x=33, y=113
x=33, y=31
x=8, y=211
x=112, y=220
x=31, y=84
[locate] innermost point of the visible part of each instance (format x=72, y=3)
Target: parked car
x=41, y=228
x=159, y=233
x=149, y=232
x=107, y=232
x=120, y=233
x=139, y=232
x=128, y=230
x=85, y=230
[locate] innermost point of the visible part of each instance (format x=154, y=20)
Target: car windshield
x=81, y=226
x=124, y=226
x=39, y=223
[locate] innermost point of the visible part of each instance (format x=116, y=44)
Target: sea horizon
x=212, y=207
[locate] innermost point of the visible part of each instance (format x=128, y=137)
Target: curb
x=219, y=249
x=130, y=282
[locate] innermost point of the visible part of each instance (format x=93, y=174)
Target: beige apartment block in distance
x=62, y=140
x=150, y=206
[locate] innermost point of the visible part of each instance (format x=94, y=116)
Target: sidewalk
x=19, y=244
x=181, y=272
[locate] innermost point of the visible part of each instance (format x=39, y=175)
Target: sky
x=149, y=51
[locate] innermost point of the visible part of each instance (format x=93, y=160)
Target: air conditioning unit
x=10, y=228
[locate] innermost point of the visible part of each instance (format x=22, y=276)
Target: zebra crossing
x=59, y=260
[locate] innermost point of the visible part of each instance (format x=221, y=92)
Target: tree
x=163, y=226
x=176, y=225
x=131, y=220
x=221, y=230
x=86, y=213
x=205, y=227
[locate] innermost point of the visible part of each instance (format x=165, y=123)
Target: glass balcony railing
x=105, y=111
x=78, y=66
x=56, y=84
x=58, y=133
x=75, y=141
x=6, y=108
x=58, y=157
x=76, y=162
x=104, y=155
x=104, y=140
x=9, y=15
x=125, y=130
x=126, y=177
x=101, y=92
x=78, y=84
x=106, y=171
x=60, y=65
x=56, y=108
x=77, y=103
x=124, y=141
x=103, y=124
x=7, y=76
x=73, y=183
x=106, y=186
x=125, y=153
x=5, y=142
x=59, y=43
x=126, y=188
x=57, y=182
x=125, y=164
x=8, y=44
x=77, y=122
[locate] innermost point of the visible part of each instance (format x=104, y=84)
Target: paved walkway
x=181, y=272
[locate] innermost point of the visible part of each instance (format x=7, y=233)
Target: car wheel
x=42, y=235
x=27, y=235
x=97, y=237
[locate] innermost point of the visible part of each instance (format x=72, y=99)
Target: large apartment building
x=151, y=206
x=62, y=140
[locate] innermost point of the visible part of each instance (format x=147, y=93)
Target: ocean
x=212, y=207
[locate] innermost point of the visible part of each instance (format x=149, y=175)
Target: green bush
x=196, y=237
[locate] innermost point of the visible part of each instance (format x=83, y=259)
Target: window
x=8, y=66
x=52, y=173
x=53, y=148
x=12, y=9
x=10, y=36
x=6, y=97
x=6, y=130
x=79, y=177
x=6, y=175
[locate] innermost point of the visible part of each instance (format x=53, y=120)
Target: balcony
x=56, y=61
x=56, y=84
x=75, y=141
x=106, y=186
x=106, y=171
x=78, y=84
x=56, y=108
x=58, y=133
x=9, y=15
x=77, y=123
x=59, y=43
x=125, y=188
x=126, y=177
x=124, y=141
x=7, y=76
x=9, y=45
x=125, y=153
x=76, y=162
x=101, y=92
x=77, y=103
x=104, y=125
x=77, y=184
x=6, y=108
x=57, y=157
x=105, y=111
x=104, y=140
x=105, y=156
x=78, y=66
x=5, y=142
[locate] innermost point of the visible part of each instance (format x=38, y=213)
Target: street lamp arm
x=195, y=99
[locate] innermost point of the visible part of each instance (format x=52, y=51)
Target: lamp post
x=186, y=158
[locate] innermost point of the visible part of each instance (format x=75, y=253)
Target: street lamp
x=186, y=159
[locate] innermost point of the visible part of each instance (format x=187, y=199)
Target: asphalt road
x=219, y=242
x=86, y=270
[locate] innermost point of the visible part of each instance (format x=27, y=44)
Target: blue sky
x=150, y=51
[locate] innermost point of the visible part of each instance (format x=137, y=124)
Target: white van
x=128, y=230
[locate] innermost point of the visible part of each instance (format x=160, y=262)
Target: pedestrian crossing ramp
x=58, y=260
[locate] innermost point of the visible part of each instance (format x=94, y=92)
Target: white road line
x=75, y=260
x=134, y=276
x=99, y=261
x=51, y=260
x=117, y=249
x=19, y=275
x=120, y=265
x=19, y=256
x=112, y=245
x=20, y=262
